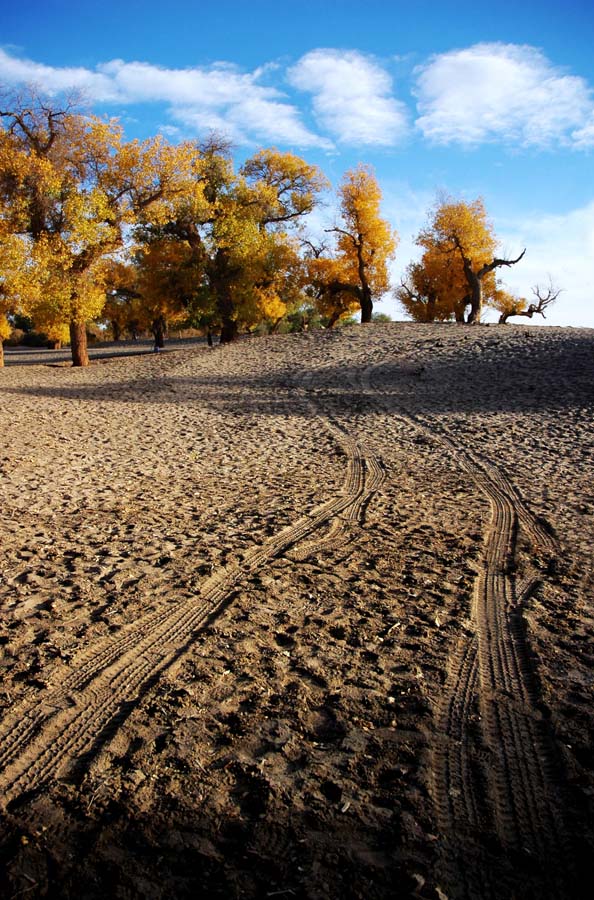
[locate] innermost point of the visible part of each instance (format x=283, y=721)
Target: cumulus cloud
x=506, y=92
x=584, y=137
x=352, y=97
x=53, y=80
x=219, y=97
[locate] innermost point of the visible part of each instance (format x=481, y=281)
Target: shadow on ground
x=523, y=377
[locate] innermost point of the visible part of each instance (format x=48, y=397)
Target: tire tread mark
x=522, y=788
x=41, y=743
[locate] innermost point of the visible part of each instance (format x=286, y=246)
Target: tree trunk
x=460, y=310
x=475, y=282
x=158, y=328
x=78, y=344
x=527, y=313
x=366, y=307
x=221, y=274
x=476, y=295
x=228, y=330
x=117, y=331
x=365, y=291
x=1, y=353
x=225, y=305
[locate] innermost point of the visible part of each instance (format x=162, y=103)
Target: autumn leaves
x=143, y=234
x=456, y=272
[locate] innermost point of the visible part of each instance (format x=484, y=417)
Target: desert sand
x=307, y=616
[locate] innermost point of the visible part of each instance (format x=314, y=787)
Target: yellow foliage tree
x=157, y=284
x=12, y=273
x=71, y=184
x=459, y=261
x=272, y=283
x=327, y=278
x=434, y=289
x=282, y=185
x=237, y=228
x=365, y=243
x=121, y=309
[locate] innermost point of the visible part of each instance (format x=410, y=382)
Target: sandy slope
x=309, y=616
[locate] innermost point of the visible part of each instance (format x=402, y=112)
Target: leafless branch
x=496, y=263
x=544, y=299
x=315, y=250
x=348, y=234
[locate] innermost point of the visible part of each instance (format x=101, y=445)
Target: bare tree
x=545, y=299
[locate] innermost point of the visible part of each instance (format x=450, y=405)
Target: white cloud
x=52, y=80
x=584, y=137
x=503, y=92
x=220, y=97
x=352, y=97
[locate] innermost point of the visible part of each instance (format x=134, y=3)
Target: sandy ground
x=308, y=616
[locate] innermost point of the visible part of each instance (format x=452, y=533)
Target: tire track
x=459, y=807
x=492, y=670
x=45, y=740
x=370, y=475
x=374, y=473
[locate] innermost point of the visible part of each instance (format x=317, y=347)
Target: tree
x=462, y=231
x=365, y=243
x=122, y=309
x=328, y=284
x=282, y=185
x=12, y=272
x=118, y=312
x=164, y=283
x=434, y=289
x=70, y=186
x=237, y=227
x=509, y=305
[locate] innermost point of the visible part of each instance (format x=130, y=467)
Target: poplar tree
x=460, y=256
x=70, y=185
x=365, y=244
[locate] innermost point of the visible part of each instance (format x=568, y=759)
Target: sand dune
x=306, y=616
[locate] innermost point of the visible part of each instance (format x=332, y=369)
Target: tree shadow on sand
x=523, y=377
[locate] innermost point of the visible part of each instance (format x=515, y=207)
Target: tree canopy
x=70, y=185
x=457, y=268
x=142, y=234
x=355, y=274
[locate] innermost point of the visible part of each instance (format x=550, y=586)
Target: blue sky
x=495, y=100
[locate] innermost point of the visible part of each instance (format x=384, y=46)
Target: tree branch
x=496, y=263
x=346, y=234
